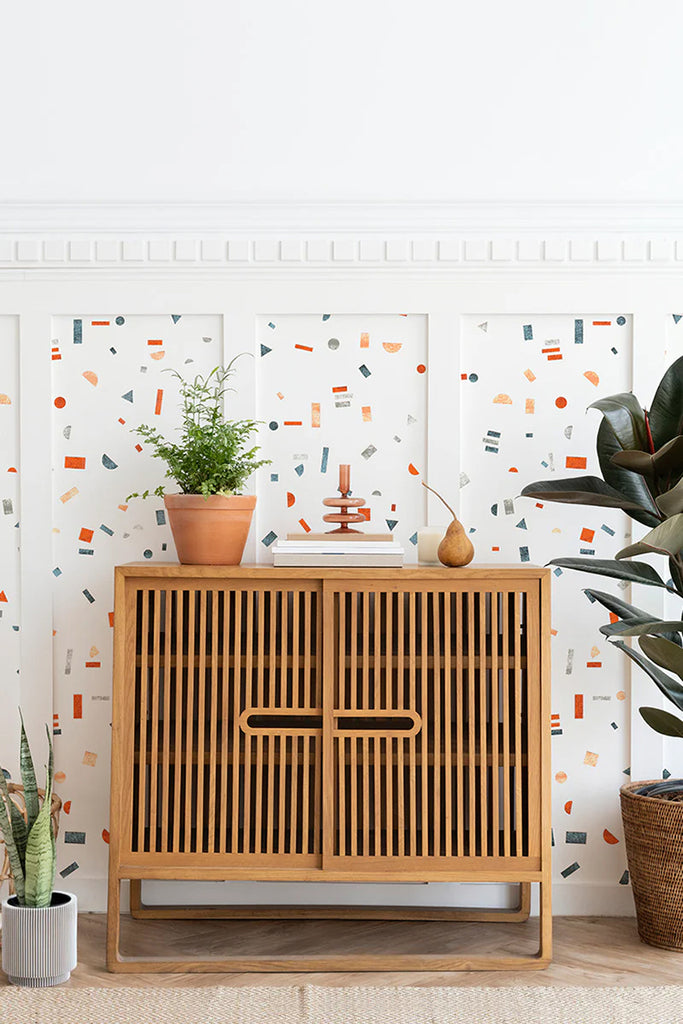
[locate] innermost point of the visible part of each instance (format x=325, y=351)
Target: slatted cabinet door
x=432, y=726
x=225, y=723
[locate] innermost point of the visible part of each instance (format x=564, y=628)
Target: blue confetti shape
x=624, y=878
x=521, y=525
x=524, y=554
x=88, y=595
x=323, y=460
x=272, y=326
x=677, y=317
x=107, y=530
x=128, y=397
x=578, y=838
x=78, y=332
x=265, y=350
x=607, y=529
x=326, y=316
x=413, y=538
x=473, y=377
x=56, y=571
x=147, y=553
x=175, y=317
x=161, y=517
x=552, y=836
x=614, y=725
x=85, y=551
x=113, y=351
x=364, y=370
x=578, y=332
x=586, y=551
x=269, y=538
x=109, y=463
x=273, y=425
x=69, y=870
x=120, y=321
x=494, y=509
x=299, y=469
x=528, y=332
x=557, y=572
x=164, y=546
x=274, y=477
x=488, y=448
x=666, y=774
x=570, y=870
x=77, y=838
x=621, y=320
x=391, y=523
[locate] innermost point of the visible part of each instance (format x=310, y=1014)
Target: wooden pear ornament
x=456, y=548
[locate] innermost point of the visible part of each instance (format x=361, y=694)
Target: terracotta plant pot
x=653, y=833
x=210, y=531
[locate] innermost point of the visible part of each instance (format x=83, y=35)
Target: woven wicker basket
x=17, y=793
x=653, y=830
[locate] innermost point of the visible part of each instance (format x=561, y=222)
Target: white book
x=350, y=559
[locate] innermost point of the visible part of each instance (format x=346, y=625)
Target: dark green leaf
x=28, y=778
x=631, y=485
x=626, y=418
x=662, y=722
x=634, y=572
x=667, y=538
x=636, y=462
x=664, y=653
x=676, y=575
x=671, y=689
x=668, y=460
x=646, y=627
x=671, y=501
x=580, y=490
x=666, y=412
x=616, y=605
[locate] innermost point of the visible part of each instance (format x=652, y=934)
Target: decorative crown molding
x=379, y=235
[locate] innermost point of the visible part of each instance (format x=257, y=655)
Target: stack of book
x=356, y=549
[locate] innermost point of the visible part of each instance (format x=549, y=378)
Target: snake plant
x=640, y=453
x=29, y=840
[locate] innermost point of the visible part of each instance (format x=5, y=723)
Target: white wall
x=260, y=99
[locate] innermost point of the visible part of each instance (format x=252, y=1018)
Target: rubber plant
x=640, y=453
x=30, y=840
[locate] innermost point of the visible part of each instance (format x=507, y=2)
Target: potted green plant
x=640, y=453
x=38, y=924
x=210, y=462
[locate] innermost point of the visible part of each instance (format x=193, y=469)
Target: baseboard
x=585, y=899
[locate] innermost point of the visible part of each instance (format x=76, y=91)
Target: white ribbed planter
x=39, y=943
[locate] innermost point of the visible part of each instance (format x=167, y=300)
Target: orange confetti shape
x=155, y=341
x=5, y=400
x=575, y=462
x=290, y=499
x=593, y=664
x=561, y=402
x=392, y=346
x=292, y=423
x=621, y=695
x=609, y=838
x=68, y=495
x=74, y=462
x=89, y=759
x=568, y=806
x=158, y=355
x=496, y=548
x=111, y=619
x=530, y=375
x=337, y=391
x=60, y=402
x=304, y=525
x=3, y=596
x=160, y=398
x=421, y=368
x=578, y=705
x=60, y=777
x=413, y=470
x=364, y=340
x=366, y=513
x=280, y=395
x=105, y=834
x=502, y=400
x=12, y=469
x=305, y=348
x=315, y=414
x=86, y=535
x=66, y=807
x=602, y=323
x=587, y=535
x=367, y=414
x=78, y=705
x=591, y=759
x=613, y=617
x=561, y=777
x=530, y=406
x=93, y=664
x=513, y=469
x=90, y=377
x=592, y=376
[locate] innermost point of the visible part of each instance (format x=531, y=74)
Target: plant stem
x=440, y=499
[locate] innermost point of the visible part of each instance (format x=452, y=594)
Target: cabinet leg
x=113, y=922
x=545, y=924
x=136, y=904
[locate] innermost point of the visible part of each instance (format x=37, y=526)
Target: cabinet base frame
x=118, y=963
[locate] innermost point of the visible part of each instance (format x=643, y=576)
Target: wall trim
x=341, y=235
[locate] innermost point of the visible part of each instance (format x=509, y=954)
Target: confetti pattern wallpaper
x=107, y=379
x=526, y=384
x=334, y=389
x=9, y=538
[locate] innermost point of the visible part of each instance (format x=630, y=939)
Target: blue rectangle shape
x=78, y=838
x=105, y=529
x=88, y=595
x=364, y=370
x=578, y=332
x=323, y=460
x=488, y=448
x=269, y=538
x=493, y=433
x=69, y=870
x=161, y=517
x=607, y=529
x=528, y=332
x=78, y=332
x=85, y=551
x=576, y=838
x=274, y=477
x=524, y=554
x=586, y=551
x=570, y=870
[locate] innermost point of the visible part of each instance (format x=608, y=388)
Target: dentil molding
x=341, y=235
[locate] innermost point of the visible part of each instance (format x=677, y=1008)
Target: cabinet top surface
x=481, y=572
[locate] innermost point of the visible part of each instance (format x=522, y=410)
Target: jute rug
x=358, y=1005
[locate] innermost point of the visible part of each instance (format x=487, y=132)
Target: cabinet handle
x=377, y=722
x=299, y=721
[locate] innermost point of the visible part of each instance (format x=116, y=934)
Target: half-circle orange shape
x=609, y=838
x=413, y=470
x=290, y=499
x=392, y=346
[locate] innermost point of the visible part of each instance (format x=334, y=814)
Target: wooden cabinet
x=331, y=724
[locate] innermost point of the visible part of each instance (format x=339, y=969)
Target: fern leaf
x=28, y=777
